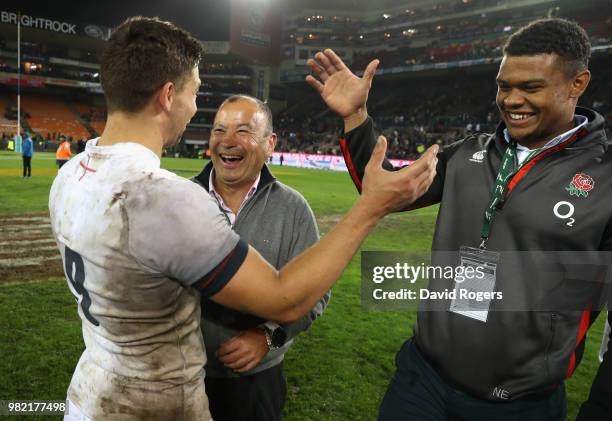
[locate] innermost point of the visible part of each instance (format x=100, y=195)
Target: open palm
x=343, y=91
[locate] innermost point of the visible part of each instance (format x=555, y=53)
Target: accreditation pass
x=472, y=296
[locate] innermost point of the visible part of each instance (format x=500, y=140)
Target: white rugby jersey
x=136, y=242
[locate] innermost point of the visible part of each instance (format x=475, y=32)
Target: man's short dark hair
x=261, y=106
x=141, y=56
x=566, y=39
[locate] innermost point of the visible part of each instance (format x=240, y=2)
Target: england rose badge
x=580, y=185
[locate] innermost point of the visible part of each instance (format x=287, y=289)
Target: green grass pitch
x=338, y=370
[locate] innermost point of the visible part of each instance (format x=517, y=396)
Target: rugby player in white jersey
x=140, y=244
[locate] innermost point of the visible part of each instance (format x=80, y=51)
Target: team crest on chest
x=580, y=185
x=478, y=157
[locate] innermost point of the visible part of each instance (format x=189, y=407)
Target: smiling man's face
x=240, y=143
x=534, y=98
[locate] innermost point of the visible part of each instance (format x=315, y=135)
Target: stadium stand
x=50, y=115
x=434, y=84
x=80, y=113
x=442, y=32
x=415, y=111
x=94, y=116
x=6, y=125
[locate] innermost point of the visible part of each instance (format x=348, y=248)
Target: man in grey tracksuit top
x=512, y=365
x=244, y=373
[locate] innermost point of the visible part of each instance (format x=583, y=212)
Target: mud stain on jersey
x=129, y=401
x=116, y=197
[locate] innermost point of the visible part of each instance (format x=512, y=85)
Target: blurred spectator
x=81, y=145
x=26, y=155
x=63, y=153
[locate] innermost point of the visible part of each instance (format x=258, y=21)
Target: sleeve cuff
x=221, y=274
x=366, y=125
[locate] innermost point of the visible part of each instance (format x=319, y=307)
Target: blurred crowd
x=414, y=113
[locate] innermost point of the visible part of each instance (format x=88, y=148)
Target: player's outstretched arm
x=344, y=93
x=287, y=295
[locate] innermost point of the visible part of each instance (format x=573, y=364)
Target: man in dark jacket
x=81, y=145
x=538, y=184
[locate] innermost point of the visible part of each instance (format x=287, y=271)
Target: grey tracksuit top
x=279, y=224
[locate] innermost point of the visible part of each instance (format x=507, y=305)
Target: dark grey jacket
x=524, y=353
x=279, y=224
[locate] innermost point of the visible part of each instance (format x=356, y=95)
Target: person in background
x=81, y=145
x=27, y=151
x=63, y=153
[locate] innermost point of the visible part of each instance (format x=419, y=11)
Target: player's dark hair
x=262, y=106
x=566, y=39
x=141, y=56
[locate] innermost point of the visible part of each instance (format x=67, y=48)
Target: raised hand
x=390, y=191
x=343, y=91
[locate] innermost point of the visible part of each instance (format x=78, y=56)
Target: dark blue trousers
x=258, y=397
x=416, y=392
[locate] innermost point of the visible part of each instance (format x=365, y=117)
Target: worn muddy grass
x=27, y=248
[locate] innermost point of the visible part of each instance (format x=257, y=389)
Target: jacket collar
x=593, y=132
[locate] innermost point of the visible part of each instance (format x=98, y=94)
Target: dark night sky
x=206, y=19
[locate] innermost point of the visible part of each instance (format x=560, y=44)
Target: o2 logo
x=564, y=210
x=75, y=272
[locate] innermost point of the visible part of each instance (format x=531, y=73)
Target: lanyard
x=507, y=169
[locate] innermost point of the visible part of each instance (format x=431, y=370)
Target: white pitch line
x=21, y=225
x=36, y=261
x=28, y=250
x=26, y=242
x=14, y=227
x=23, y=219
x=46, y=233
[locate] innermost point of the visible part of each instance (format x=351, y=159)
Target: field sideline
x=338, y=370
